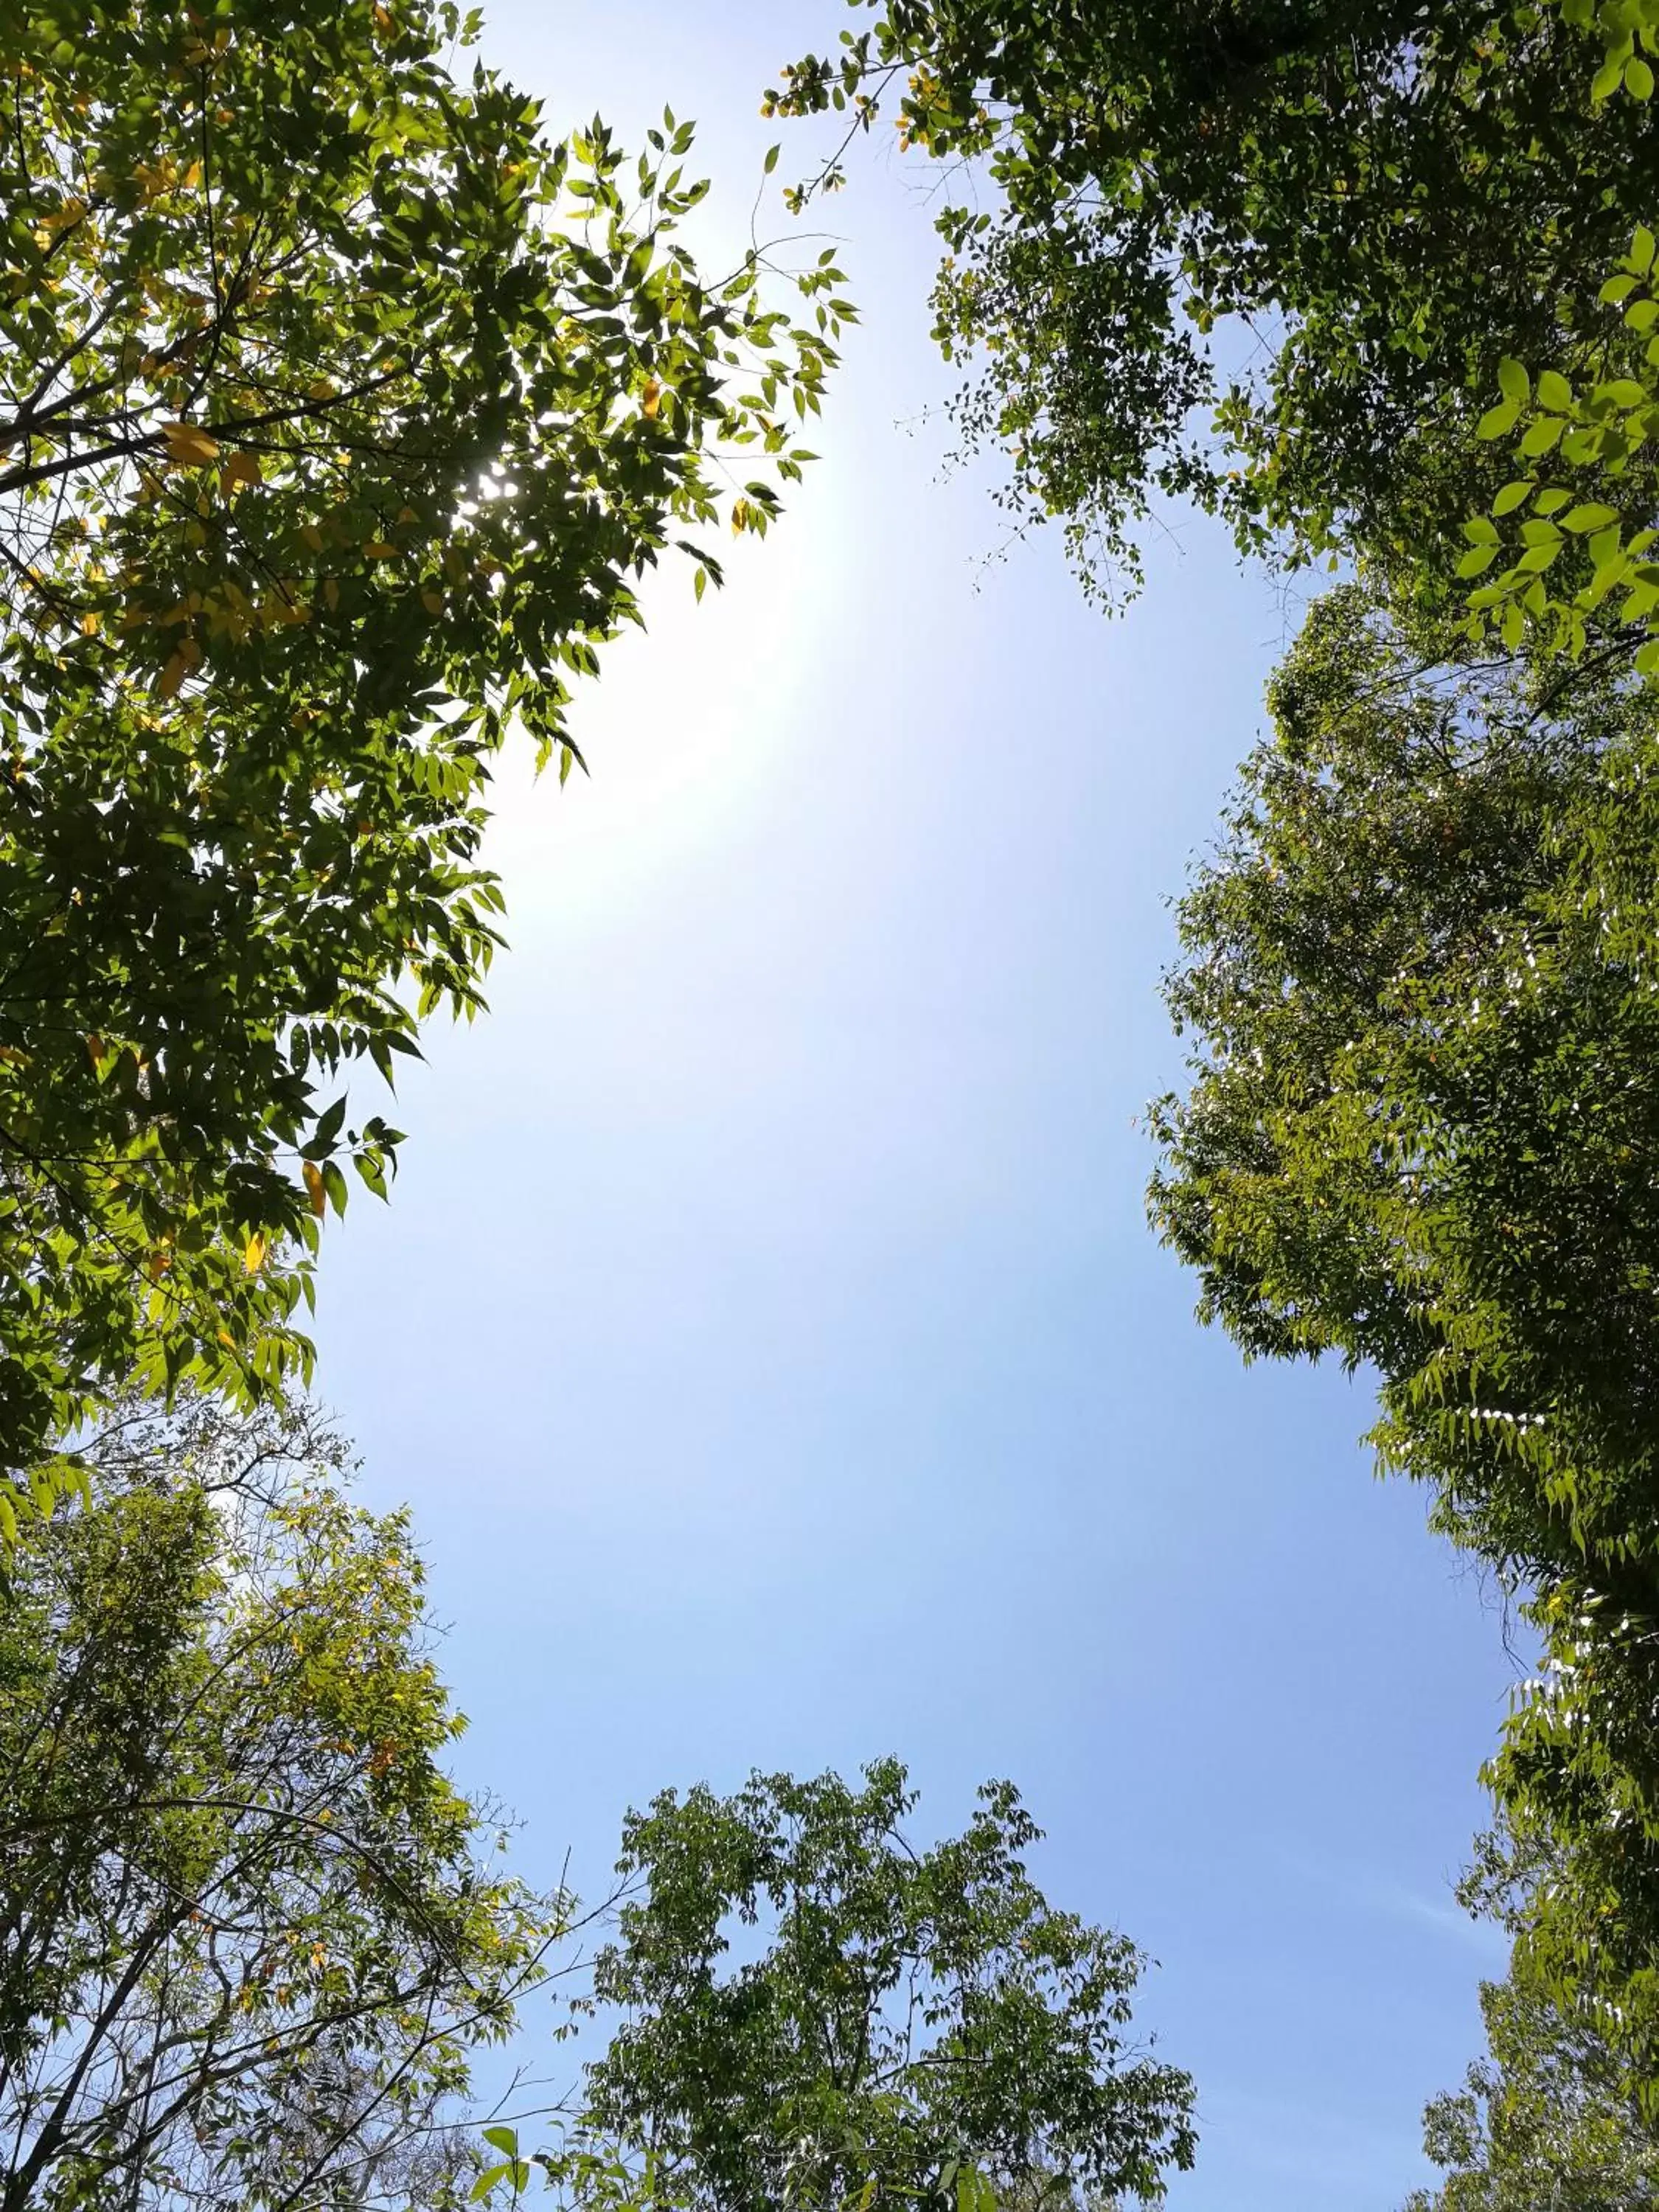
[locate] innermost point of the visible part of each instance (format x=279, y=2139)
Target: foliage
x=586, y=2172
x=1420, y=1134
x=248, y=1934
x=1546, y=2120
x=896, y=2022
x=340, y=413
x=1264, y=254
x=1546, y=2117
x=1592, y=425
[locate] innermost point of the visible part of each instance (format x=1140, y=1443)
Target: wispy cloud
x=1367, y=1890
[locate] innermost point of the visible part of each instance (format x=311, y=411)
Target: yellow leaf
x=167, y=682
x=433, y=602
x=651, y=397
x=254, y=1258
x=189, y=447
x=241, y=468
x=378, y=550
x=313, y=1175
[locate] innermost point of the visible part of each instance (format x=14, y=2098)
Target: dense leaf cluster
x=248, y=1931
x=1264, y=254
x=891, y=2018
x=340, y=413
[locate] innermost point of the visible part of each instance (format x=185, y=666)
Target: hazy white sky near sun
x=765, y=1329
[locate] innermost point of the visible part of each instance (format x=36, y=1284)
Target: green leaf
x=1477, y=560
x=328, y=1127
x=1638, y=78
x=1540, y=436
x=1591, y=514
x=1497, y=421
x=1554, y=390
x=504, y=2139
x=490, y=2178
x=1514, y=494
x=1513, y=382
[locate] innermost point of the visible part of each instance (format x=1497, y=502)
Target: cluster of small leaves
x=340, y=412
x=1629, y=30
x=587, y=2173
x=250, y=1932
x=1259, y=257
x=920, y=2025
x=1583, y=541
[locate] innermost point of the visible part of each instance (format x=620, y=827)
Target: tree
x=1419, y=1134
x=340, y=413
x=897, y=2018
x=1263, y=254
x=1546, y=2119
x=248, y=1932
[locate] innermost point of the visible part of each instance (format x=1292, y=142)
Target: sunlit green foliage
x=816, y=2012
x=249, y=1930
x=1547, y=2119
x=1265, y=255
x=1570, y=533
x=341, y=412
x=1420, y=977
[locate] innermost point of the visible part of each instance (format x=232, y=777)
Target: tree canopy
x=1547, y=2117
x=1263, y=254
x=893, y=2017
x=1417, y=978
x=341, y=412
x=249, y=1930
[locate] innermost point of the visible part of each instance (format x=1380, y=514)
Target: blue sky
x=765, y=1329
